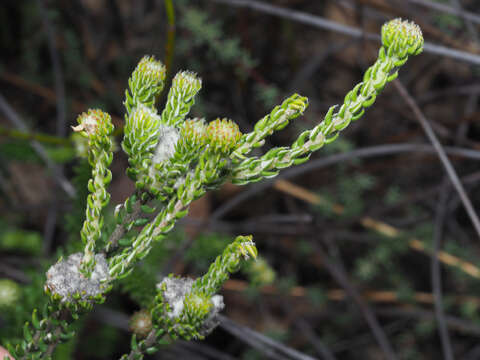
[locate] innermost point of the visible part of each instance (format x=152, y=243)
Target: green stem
x=145, y=346
x=45, y=335
x=192, y=187
x=356, y=101
x=170, y=35
x=43, y=138
x=122, y=228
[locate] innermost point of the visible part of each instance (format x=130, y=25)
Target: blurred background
x=367, y=251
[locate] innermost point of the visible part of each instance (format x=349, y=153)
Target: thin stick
x=51, y=97
x=339, y=274
x=37, y=89
x=254, y=338
x=367, y=152
x=323, y=23
x=377, y=296
x=441, y=154
x=377, y=226
x=417, y=313
x=57, y=71
x=436, y=274
x=456, y=4
x=448, y=9
x=15, y=119
x=319, y=346
x=150, y=341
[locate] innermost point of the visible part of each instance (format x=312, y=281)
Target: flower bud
x=247, y=248
x=402, y=37
x=145, y=84
x=222, y=135
x=193, y=132
x=181, y=97
x=141, y=130
x=187, y=83
x=149, y=72
x=196, y=306
x=141, y=323
x=202, y=311
x=94, y=123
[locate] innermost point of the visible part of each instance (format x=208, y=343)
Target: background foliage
x=310, y=230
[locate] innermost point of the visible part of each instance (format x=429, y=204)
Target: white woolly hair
x=167, y=140
x=174, y=294
x=176, y=289
x=212, y=321
x=65, y=279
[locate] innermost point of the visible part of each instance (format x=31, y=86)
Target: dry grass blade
x=377, y=226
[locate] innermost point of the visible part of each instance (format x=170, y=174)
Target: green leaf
x=151, y=350
x=133, y=342
x=26, y=332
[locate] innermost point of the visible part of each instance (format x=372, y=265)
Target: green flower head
x=145, y=84
x=142, y=126
x=94, y=124
x=222, y=135
x=196, y=306
x=150, y=72
x=181, y=97
x=402, y=37
x=187, y=83
x=193, y=131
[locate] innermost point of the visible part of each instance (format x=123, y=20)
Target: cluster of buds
x=94, y=125
x=402, y=38
x=192, y=133
x=219, y=135
x=222, y=135
x=181, y=97
x=145, y=84
x=184, y=313
x=141, y=138
x=399, y=40
x=188, y=308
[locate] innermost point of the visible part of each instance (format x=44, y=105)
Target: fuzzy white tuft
x=174, y=294
x=176, y=289
x=65, y=279
x=167, y=140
